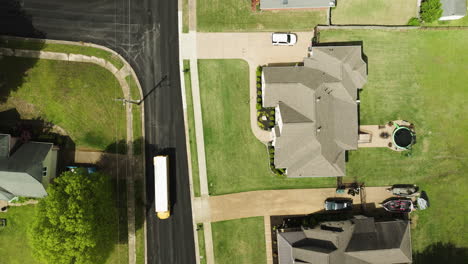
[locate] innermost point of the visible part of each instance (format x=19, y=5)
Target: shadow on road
x=15, y=22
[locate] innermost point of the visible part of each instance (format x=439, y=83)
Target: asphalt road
x=145, y=33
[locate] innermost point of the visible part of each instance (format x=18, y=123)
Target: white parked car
x=283, y=39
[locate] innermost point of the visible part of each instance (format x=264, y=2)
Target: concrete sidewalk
x=275, y=202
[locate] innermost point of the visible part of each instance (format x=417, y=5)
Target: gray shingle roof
x=4, y=145
x=317, y=109
x=21, y=173
x=453, y=7
x=370, y=241
x=283, y=4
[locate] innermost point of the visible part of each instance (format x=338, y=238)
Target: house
x=316, y=110
x=295, y=4
x=361, y=240
x=453, y=9
x=25, y=170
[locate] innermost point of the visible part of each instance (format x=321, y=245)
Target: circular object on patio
x=403, y=137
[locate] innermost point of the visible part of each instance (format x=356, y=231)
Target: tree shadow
x=441, y=253
x=15, y=22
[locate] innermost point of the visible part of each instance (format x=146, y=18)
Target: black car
x=338, y=204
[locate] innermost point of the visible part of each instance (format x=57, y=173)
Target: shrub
x=414, y=21
x=259, y=106
x=259, y=85
x=272, y=150
x=272, y=112
x=259, y=71
x=259, y=100
x=272, y=118
x=259, y=93
x=271, y=123
x=431, y=10
x=260, y=124
x=259, y=79
x=272, y=155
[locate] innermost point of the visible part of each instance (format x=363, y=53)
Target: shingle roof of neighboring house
x=284, y=4
x=453, y=8
x=316, y=110
x=361, y=241
x=21, y=173
x=4, y=145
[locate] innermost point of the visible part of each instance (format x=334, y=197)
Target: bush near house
x=431, y=10
x=414, y=21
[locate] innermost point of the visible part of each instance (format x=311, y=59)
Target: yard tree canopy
x=74, y=222
x=431, y=10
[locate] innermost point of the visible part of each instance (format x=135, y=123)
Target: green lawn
x=79, y=97
x=201, y=244
x=191, y=130
x=418, y=76
x=136, y=114
x=236, y=15
x=139, y=222
x=236, y=160
x=240, y=241
x=75, y=49
x=185, y=16
x=14, y=247
x=374, y=12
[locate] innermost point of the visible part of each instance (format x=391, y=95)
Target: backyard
x=236, y=160
x=239, y=241
x=235, y=15
x=418, y=76
x=373, y=12
x=78, y=97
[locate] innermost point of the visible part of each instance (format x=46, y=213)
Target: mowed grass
x=136, y=116
x=185, y=16
x=240, y=241
x=374, y=12
x=236, y=160
x=237, y=15
x=201, y=244
x=14, y=247
x=419, y=76
x=191, y=130
x=79, y=97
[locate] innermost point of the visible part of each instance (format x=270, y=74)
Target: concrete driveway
x=275, y=202
x=253, y=47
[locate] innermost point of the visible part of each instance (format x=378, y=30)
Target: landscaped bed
x=78, y=97
x=236, y=160
x=418, y=75
x=234, y=15
x=373, y=12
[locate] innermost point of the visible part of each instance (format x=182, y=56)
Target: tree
x=74, y=223
x=431, y=10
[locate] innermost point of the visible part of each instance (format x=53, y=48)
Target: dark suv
x=338, y=204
